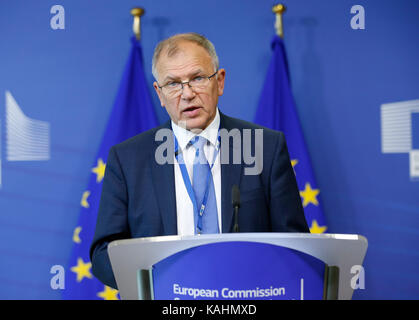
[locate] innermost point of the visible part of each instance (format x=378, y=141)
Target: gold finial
x=279, y=9
x=136, y=27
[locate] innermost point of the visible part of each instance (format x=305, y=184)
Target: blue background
x=340, y=77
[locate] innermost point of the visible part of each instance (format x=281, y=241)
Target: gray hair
x=172, y=48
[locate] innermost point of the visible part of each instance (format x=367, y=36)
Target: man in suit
x=145, y=197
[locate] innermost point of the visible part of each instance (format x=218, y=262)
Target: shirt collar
x=210, y=133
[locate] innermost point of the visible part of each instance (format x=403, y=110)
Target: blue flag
x=132, y=113
x=277, y=111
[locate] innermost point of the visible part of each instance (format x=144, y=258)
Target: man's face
x=189, y=109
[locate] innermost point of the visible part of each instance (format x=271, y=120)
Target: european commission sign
x=400, y=131
x=26, y=139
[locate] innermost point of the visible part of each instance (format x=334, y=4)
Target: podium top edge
x=240, y=237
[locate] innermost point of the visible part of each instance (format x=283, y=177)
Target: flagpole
x=279, y=9
x=136, y=27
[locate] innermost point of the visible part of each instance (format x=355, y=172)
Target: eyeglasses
x=198, y=84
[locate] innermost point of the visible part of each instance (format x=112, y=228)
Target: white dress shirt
x=184, y=206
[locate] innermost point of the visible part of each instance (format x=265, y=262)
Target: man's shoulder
x=230, y=123
x=142, y=141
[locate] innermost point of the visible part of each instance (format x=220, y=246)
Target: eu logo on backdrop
x=26, y=139
x=400, y=131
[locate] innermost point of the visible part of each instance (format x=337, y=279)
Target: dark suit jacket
x=138, y=195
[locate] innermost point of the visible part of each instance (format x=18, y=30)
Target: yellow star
x=315, y=228
x=309, y=195
x=84, y=197
x=99, y=170
x=108, y=294
x=294, y=162
x=76, y=233
x=82, y=270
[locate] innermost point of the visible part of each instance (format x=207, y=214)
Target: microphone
x=235, y=198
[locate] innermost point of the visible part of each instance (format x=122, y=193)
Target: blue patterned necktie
x=201, y=169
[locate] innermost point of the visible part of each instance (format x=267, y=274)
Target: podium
x=237, y=265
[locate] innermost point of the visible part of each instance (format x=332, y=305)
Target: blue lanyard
x=188, y=184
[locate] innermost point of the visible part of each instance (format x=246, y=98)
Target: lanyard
x=188, y=185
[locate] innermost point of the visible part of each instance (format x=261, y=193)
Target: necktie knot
x=198, y=142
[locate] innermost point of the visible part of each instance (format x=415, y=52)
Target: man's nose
x=187, y=92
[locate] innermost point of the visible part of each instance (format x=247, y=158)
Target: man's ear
x=157, y=89
x=220, y=81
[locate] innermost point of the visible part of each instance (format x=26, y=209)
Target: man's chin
x=192, y=124
x=196, y=128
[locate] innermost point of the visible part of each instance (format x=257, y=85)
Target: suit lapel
x=164, y=186
x=230, y=175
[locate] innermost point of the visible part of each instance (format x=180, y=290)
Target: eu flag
x=277, y=111
x=132, y=113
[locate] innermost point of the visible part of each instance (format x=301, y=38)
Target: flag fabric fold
x=277, y=110
x=132, y=114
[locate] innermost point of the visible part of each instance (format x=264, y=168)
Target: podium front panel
x=239, y=270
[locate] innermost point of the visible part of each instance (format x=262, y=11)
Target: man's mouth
x=191, y=111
